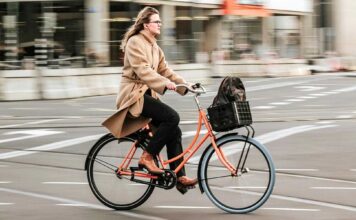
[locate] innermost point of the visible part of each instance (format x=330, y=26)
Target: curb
x=82, y=82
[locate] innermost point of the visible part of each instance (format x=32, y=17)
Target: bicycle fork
x=244, y=157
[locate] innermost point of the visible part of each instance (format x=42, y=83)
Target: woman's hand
x=171, y=86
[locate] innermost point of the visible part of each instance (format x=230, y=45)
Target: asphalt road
x=307, y=123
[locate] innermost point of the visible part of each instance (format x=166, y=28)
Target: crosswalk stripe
x=47, y=147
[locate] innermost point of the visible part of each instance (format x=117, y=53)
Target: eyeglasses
x=157, y=22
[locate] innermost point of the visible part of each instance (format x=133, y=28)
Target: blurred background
x=223, y=36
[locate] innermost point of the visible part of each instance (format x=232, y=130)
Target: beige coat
x=144, y=67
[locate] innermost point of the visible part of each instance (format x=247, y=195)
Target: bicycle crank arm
x=152, y=184
x=165, y=181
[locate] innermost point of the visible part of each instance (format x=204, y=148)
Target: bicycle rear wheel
x=250, y=188
x=116, y=191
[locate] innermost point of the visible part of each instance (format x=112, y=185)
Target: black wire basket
x=229, y=116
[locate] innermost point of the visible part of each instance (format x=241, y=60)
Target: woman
x=145, y=73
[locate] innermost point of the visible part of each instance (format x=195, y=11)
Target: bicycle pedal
x=190, y=187
x=183, y=189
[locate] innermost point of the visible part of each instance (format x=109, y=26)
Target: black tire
x=253, y=185
x=119, y=193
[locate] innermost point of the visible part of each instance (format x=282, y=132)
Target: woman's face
x=154, y=26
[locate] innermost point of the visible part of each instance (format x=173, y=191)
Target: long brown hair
x=142, y=18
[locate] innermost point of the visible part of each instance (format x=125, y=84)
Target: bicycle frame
x=194, y=146
x=190, y=151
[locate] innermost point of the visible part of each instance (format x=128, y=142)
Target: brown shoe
x=146, y=161
x=184, y=183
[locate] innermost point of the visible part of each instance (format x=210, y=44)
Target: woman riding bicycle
x=145, y=73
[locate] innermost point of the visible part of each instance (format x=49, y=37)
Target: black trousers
x=166, y=120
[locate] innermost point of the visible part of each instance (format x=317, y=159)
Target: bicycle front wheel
x=253, y=184
x=116, y=191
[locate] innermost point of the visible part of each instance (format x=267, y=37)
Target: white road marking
x=89, y=205
x=245, y=187
x=333, y=188
x=183, y=207
x=279, y=103
x=306, y=97
x=263, y=107
x=275, y=135
x=301, y=170
x=52, y=146
x=317, y=178
x=1, y=166
x=271, y=136
x=5, y=182
x=330, y=92
x=295, y=100
x=275, y=85
x=344, y=116
x=100, y=110
x=73, y=205
x=325, y=122
x=30, y=123
x=294, y=199
x=349, y=89
x=318, y=94
x=353, y=170
x=309, y=88
x=66, y=183
x=292, y=209
x=138, y=184
x=29, y=134
x=6, y=203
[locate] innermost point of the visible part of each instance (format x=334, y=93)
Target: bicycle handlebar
x=197, y=88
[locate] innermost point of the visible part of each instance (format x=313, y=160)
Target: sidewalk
x=81, y=82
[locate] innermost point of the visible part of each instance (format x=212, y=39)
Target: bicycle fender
x=218, y=140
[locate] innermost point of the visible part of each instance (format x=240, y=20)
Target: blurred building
x=335, y=20
x=88, y=32
x=260, y=28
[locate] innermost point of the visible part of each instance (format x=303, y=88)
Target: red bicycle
x=235, y=171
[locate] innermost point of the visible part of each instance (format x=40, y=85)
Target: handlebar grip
x=193, y=88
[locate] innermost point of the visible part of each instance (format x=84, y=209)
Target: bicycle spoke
x=217, y=177
x=105, y=164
